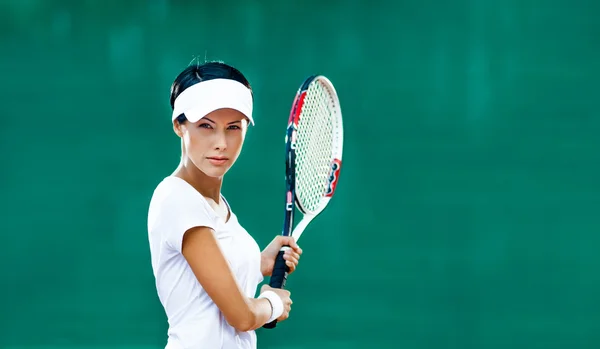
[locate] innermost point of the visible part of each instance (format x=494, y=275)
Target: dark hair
x=196, y=73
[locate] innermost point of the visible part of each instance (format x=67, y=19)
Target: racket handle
x=278, y=279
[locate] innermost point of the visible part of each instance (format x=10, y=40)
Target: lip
x=217, y=160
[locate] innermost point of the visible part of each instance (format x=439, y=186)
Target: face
x=215, y=141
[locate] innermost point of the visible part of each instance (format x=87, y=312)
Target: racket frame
x=280, y=270
x=336, y=165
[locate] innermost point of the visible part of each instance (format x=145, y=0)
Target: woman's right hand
x=285, y=298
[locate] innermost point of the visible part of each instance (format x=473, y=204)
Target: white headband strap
x=207, y=96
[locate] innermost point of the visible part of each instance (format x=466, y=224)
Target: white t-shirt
x=194, y=319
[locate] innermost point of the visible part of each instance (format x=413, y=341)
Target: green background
x=467, y=210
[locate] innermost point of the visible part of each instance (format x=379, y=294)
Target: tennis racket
x=313, y=145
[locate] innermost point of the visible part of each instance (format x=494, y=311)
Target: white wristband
x=276, y=304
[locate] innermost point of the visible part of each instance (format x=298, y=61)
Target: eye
x=205, y=125
x=233, y=127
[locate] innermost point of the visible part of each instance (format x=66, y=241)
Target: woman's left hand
x=291, y=255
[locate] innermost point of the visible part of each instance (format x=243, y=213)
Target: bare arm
x=203, y=253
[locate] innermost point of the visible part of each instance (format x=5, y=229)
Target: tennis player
x=206, y=265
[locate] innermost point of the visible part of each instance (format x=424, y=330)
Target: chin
x=216, y=172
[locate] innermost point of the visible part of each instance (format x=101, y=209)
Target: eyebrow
x=233, y=122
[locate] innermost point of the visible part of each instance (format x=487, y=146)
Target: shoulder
x=175, y=208
x=173, y=198
x=172, y=188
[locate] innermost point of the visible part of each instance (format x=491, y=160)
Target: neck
x=209, y=187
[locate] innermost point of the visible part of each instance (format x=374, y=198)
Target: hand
x=285, y=298
x=291, y=256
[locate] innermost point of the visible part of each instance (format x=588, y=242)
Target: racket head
x=315, y=141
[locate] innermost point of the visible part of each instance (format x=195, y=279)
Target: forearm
x=252, y=316
x=261, y=309
x=266, y=308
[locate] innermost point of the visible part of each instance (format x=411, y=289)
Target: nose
x=220, y=141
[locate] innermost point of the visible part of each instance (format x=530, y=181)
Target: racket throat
x=299, y=229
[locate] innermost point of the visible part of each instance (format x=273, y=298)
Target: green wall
x=467, y=211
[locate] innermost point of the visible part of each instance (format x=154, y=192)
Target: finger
x=290, y=241
x=297, y=249
x=290, y=265
x=290, y=253
x=295, y=246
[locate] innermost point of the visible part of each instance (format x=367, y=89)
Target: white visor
x=200, y=99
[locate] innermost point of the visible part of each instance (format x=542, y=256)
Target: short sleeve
x=175, y=209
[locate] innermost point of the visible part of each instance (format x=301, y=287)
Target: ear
x=177, y=128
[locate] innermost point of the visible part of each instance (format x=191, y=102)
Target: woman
x=207, y=267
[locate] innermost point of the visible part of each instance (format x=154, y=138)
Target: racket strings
x=314, y=149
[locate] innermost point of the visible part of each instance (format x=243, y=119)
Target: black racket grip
x=280, y=272
x=278, y=280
